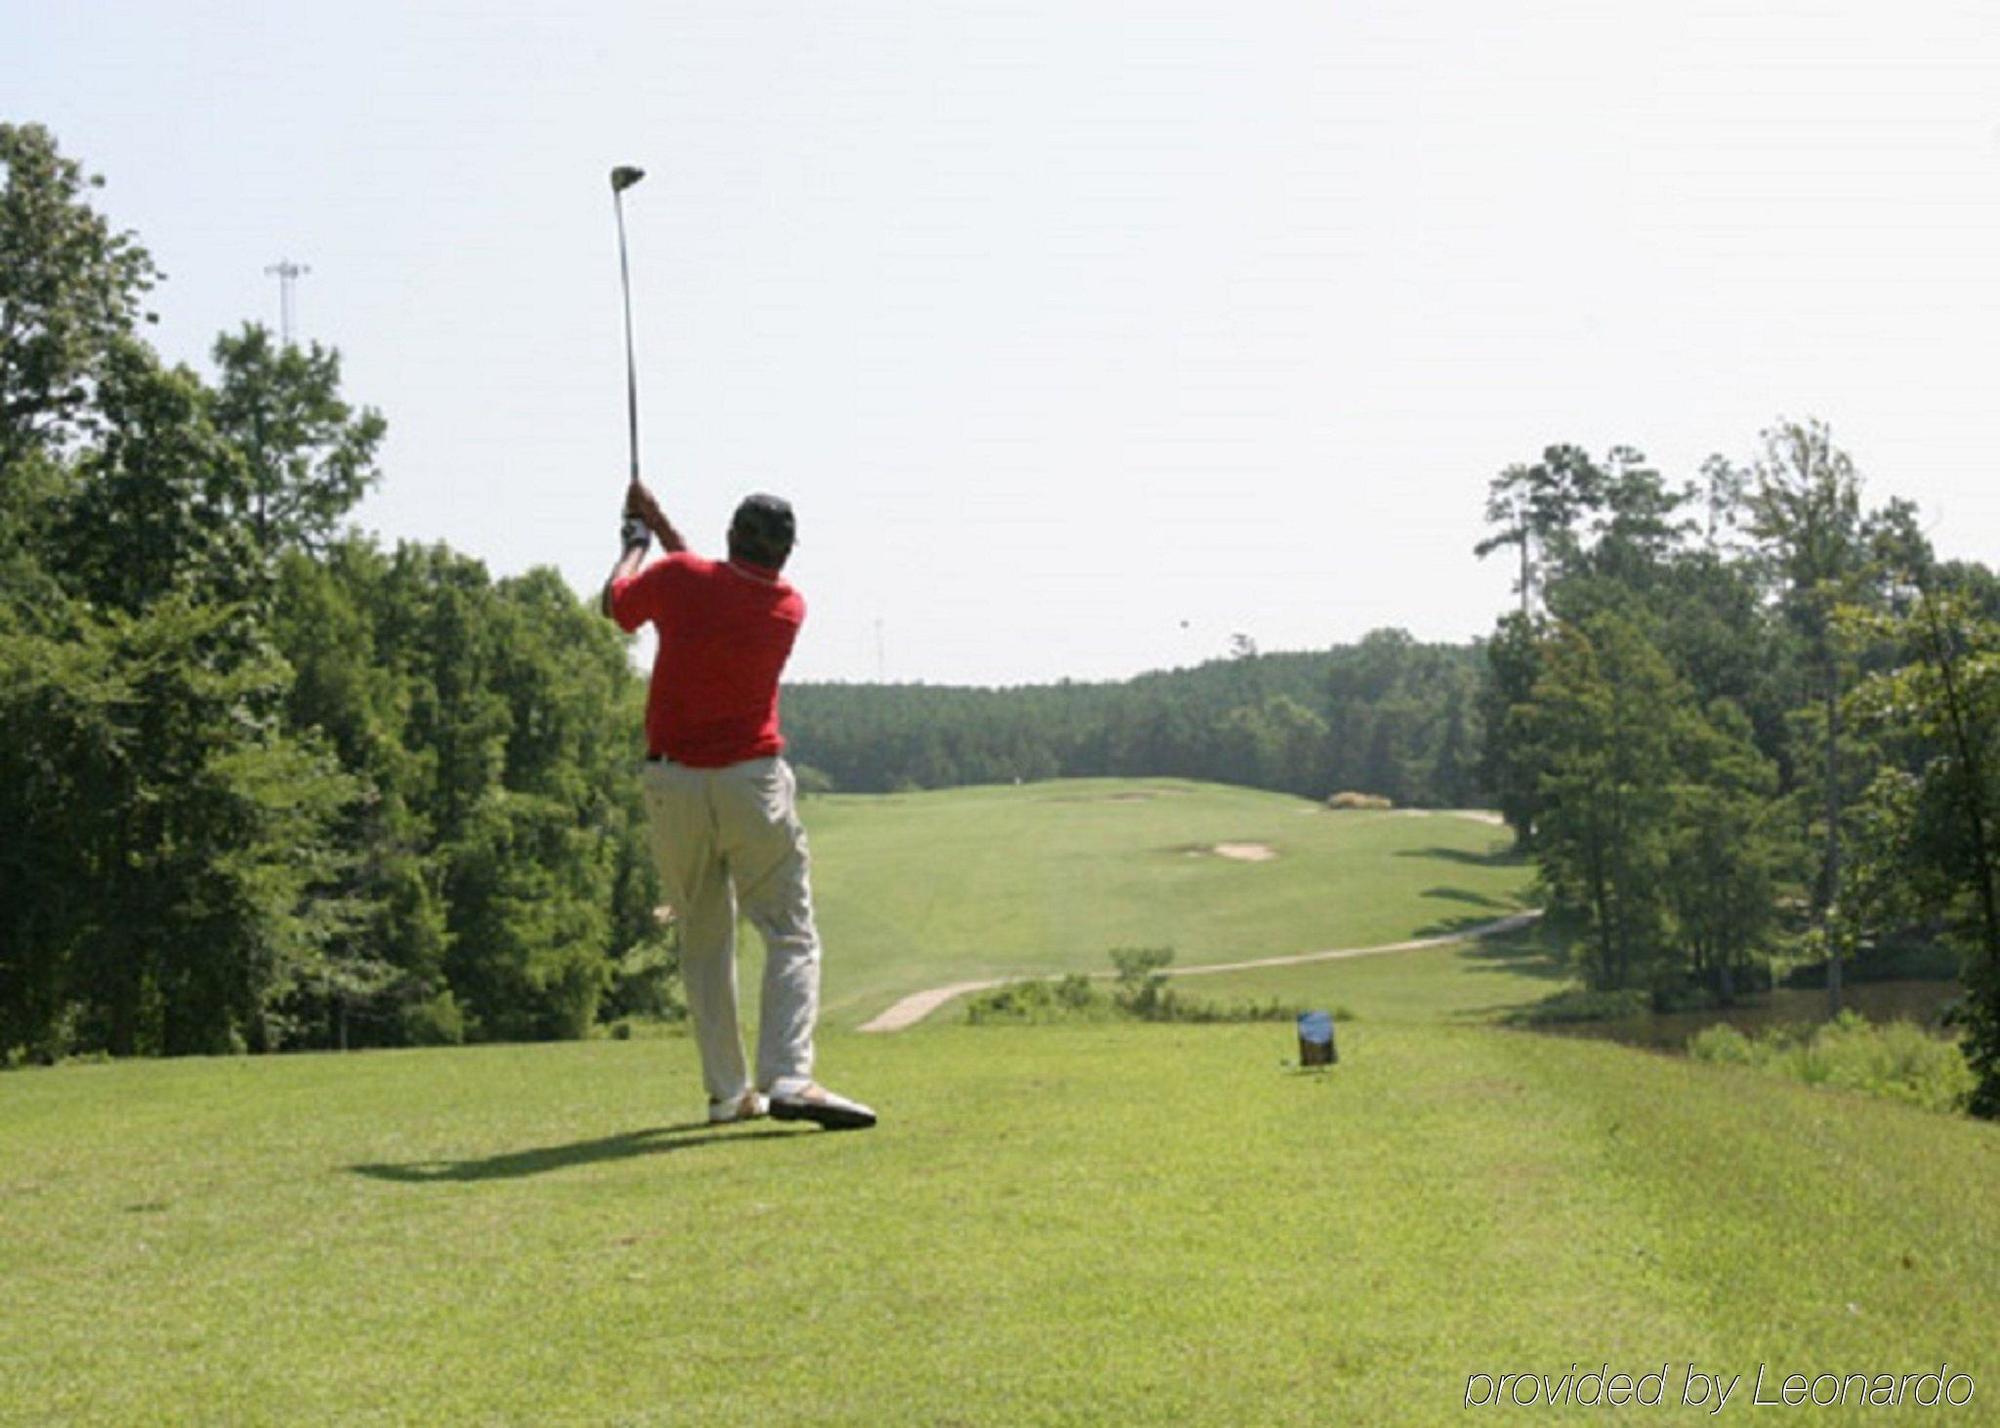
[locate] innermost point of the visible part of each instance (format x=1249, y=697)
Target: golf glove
x=632, y=530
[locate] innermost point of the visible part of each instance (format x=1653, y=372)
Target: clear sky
x=1081, y=334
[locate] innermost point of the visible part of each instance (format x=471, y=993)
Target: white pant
x=724, y=837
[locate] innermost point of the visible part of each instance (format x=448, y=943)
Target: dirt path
x=918, y=1005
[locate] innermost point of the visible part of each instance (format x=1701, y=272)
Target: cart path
x=918, y=1005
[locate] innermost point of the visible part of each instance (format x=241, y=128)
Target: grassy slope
x=918, y=889
x=1054, y=1225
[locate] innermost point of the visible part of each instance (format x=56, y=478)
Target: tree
x=308, y=455
x=1727, y=850
x=1806, y=511
x=1540, y=509
x=1508, y=510
x=1942, y=821
x=177, y=840
x=1640, y=523
x=147, y=513
x=1508, y=760
x=1601, y=721
x=70, y=289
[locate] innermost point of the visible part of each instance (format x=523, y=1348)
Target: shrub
x=646, y=982
x=1347, y=798
x=1898, y=1060
x=439, y=1021
x=1140, y=993
x=1071, y=998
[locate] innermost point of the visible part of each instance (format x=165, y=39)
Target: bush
x=1347, y=798
x=1071, y=998
x=438, y=1021
x=1140, y=993
x=646, y=982
x=1898, y=1060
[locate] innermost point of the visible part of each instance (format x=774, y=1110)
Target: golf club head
x=624, y=176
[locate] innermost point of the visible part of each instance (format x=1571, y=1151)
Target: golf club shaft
x=631, y=365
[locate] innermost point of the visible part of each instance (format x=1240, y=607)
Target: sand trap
x=1245, y=852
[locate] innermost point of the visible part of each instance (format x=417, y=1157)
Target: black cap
x=763, y=529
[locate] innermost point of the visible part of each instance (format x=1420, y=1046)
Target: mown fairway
x=918, y=889
x=1075, y=1225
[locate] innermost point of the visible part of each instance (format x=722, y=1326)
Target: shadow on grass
x=1452, y=926
x=1476, y=899
x=1527, y=952
x=1499, y=858
x=542, y=1159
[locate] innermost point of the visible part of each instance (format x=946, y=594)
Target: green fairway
x=1053, y=1225
x=919, y=889
x=1462, y=982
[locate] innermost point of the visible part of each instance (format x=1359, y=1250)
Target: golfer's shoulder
x=683, y=565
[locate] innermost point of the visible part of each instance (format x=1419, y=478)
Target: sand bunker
x=1244, y=852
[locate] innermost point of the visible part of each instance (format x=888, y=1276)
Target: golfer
x=720, y=800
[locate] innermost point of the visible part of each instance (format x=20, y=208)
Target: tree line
x=264, y=784
x=1747, y=715
x=1388, y=716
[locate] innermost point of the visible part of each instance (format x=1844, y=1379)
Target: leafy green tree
x=1542, y=510
x=387, y=965
x=1508, y=764
x=177, y=839
x=308, y=455
x=1640, y=525
x=70, y=290
x=1727, y=851
x=1806, y=512
x=1600, y=721
x=148, y=514
x=1940, y=813
x=499, y=855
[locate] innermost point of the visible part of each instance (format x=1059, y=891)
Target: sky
x=1083, y=336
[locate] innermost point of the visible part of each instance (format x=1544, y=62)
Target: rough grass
x=915, y=890
x=1140, y=1224
x=1900, y=1059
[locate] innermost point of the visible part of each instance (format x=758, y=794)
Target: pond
x=1917, y=1001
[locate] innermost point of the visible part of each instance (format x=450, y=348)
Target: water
x=1916, y=1001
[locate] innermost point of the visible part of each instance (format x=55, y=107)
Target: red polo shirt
x=726, y=630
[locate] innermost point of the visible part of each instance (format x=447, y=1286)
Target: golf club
x=622, y=178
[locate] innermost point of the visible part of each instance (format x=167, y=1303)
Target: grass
x=1462, y=982
x=1054, y=1225
x=1146, y=1224
x=919, y=889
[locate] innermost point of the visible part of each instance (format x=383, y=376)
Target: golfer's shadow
x=539, y=1161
